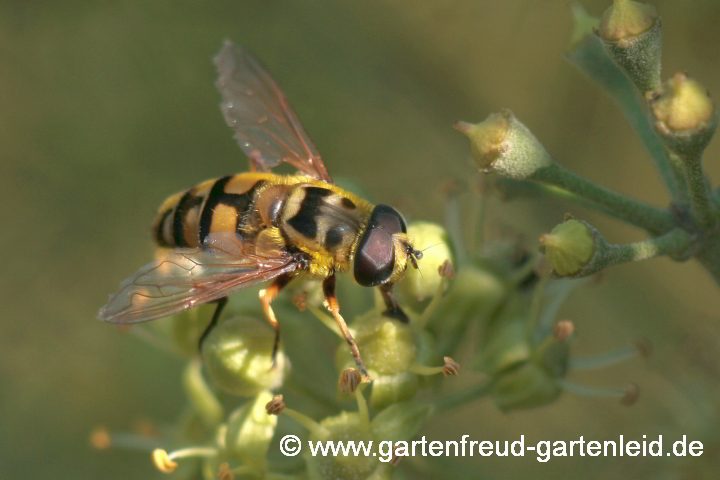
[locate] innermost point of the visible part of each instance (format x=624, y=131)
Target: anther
x=276, y=405
x=446, y=270
x=162, y=461
x=451, y=367
x=349, y=380
x=100, y=438
x=632, y=392
x=563, y=330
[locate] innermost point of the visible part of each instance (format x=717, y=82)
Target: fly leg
x=213, y=321
x=334, y=307
x=267, y=295
x=393, y=308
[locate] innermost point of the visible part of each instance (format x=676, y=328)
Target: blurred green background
x=108, y=107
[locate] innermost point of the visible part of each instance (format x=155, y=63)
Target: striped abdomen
x=220, y=205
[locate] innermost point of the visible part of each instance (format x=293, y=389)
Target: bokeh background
x=108, y=107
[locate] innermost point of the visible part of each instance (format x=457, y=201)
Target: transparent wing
x=266, y=127
x=189, y=277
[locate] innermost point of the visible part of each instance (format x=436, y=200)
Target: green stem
x=702, y=210
x=653, y=219
x=465, y=396
x=675, y=242
x=678, y=171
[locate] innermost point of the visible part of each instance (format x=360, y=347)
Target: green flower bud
x=569, y=247
x=250, y=430
x=684, y=115
x=344, y=427
x=389, y=349
x=503, y=145
x=388, y=346
x=632, y=35
x=237, y=355
x=431, y=239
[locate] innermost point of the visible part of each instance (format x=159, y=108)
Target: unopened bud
x=238, y=357
x=501, y=144
x=684, y=114
x=626, y=19
x=569, y=247
x=632, y=34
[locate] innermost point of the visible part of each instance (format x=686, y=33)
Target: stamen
x=102, y=439
x=449, y=369
x=166, y=463
x=276, y=406
x=446, y=271
x=640, y=348
x=628, y=396
x=363, y=410
x=396, y=458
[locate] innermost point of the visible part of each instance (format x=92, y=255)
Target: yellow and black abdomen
x=224, y=204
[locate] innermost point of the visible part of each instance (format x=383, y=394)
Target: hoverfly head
x=384, y=249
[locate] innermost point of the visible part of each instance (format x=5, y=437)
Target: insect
x=228, y=234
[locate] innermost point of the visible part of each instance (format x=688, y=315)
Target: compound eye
x=374, y=257
x=388, y=219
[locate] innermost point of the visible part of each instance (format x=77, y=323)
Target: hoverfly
x=231, y=233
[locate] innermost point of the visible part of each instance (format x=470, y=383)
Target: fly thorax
x=319, y=219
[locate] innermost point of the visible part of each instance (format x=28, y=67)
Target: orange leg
x=267, y=295
x=334, y=307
